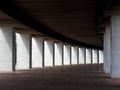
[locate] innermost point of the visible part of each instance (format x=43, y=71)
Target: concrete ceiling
x=72, y=19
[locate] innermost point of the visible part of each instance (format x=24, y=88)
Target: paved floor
x=76, y=77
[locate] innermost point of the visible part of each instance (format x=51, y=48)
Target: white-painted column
x=107, y=61
x=115, y=47
x=100, y=56
x=48, y=52
x=94, y=55
x=88, y=56
x=37, y=52
x=66, y=56
x=81, y=56
x=73, y=55
x=22, y=50
x=6, y=47
x=58, y=54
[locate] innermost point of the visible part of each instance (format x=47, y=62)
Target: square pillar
x=66, y=56
x=6, y=48
x=107, y=47
x=77, y=55
x=48, y=52
x=100, y=56
x=88, y=56
x=37, y=52
x=58, y=54
x=81, y=56
x=73, y=55
x=22, y=50
x=115, y=47
x=104, y=43
x=94, y=55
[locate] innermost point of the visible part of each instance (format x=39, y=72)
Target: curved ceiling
x=71, y=20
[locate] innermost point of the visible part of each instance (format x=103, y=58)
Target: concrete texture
x=107, y=49
x=58, y=54
x=88, y=56
x=115, y=47
x=6, y=47
x=101, y=56
x=94, y=56
x=22, y=51
x=74, y=55
x=74, y=77
x=104, y=47
x=81, y=56
x=66, y=55
x=48, y=53
x=37, y=52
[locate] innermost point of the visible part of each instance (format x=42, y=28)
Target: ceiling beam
x=102, y=7
x=11, y=9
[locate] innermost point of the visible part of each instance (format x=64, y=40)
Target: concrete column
x=58, y=54
x=85, y=55
x=22, y=50
x=91, y=56
x=6, y=47
x=115, y=47
x=66, y=56
x=94, y=55
x=62, y=54
x=37, y=51
x=70, y=55
x=81, y=56
x=74, y=55
x=100, y=56
x=48, y=52
x=104, y=64
x=88, y=56
x=77, y=55
x=107, y=61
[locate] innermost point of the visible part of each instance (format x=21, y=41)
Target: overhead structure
x=68, y=24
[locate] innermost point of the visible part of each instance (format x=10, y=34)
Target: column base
x=115, y=75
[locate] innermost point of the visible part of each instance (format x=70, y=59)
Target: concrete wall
x=66, y=56
x=88, y=56
x=22, y=50
x=6, y=47
x=48, y=53
x=81, y=56
x=37, y=52
x=73, y=55
x=58, y=54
